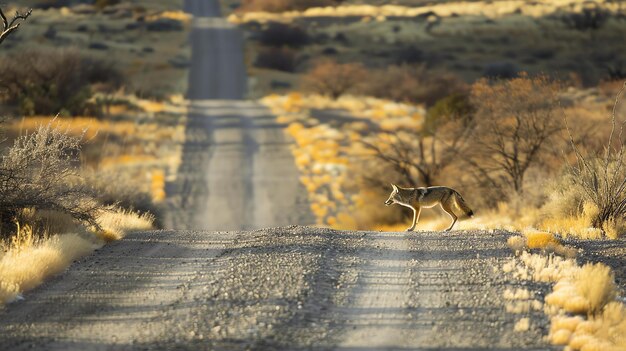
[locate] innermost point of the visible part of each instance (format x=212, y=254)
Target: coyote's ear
x=395, y=187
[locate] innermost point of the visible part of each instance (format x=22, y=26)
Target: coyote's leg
x=416, y=215
x=447, y=206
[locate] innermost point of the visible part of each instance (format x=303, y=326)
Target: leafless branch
x=9, y=26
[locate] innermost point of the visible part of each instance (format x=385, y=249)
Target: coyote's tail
x=463, y=205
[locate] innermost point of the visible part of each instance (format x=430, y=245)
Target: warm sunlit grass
x=87, y=126
x=26, y=261
x=490, y=9
x=175, y=15
x=91, y=127
x=22, y=269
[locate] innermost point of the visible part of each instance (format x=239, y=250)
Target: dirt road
x=284, y=289
x=237, y=170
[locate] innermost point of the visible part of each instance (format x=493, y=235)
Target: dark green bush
x=280, y=34
x=47, y=82
x=281, y=59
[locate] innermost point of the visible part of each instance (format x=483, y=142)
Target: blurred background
x=371, y=92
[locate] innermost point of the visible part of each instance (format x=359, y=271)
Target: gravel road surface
x=278, y=289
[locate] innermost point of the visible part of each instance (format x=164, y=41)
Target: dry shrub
x=417, y=158
x=567, y=211
x=583, y=291
x=281, y=59
x=48, y=82
x=38, y=173
x=424, y=153
x=334, y=79
x=540, y=240
x=602, y=177
x=404, y=83
x=544, y=241
x=283, y=5
x=516, y=243
x=118, y=222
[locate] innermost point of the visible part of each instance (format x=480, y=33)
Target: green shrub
x=280, y=34
x=47, y=82
x=281, y=59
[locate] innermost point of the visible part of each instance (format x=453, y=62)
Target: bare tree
x=514, y=121
x=419, y=157
x=9, y=27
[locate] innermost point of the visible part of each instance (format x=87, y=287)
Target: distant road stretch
x=237, y=170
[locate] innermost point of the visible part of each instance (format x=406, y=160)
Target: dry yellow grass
x=540, y=240
x=496, y=9
x=583, y=310
x=25, y=268
x=25, y=261
x=522, y=325
x=175, y=15
x=120, y=222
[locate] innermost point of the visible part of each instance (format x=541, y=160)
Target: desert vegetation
x=83, y=164
x=47, y=82
x=486, y=142
x=449, y=38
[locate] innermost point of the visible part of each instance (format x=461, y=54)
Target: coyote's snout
x=416, y=198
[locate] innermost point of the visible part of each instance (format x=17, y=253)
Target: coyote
x=428, y=197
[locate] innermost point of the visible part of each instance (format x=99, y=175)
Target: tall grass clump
x=25, y=266
x=602, y=178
